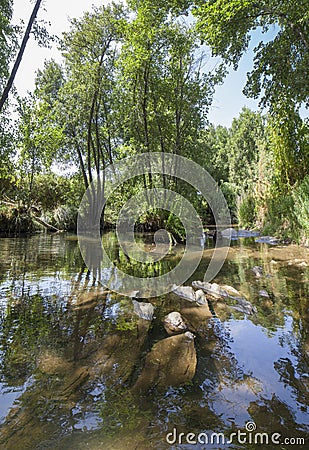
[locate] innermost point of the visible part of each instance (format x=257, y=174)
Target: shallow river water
x=71, y=354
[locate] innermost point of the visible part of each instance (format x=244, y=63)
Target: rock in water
x=188, y=293
x=258, y=271
x=215, y=290
x=174, y=323
x=244, y=306
x=185, y=292
x=218, y=292
x=200, y=298
x=171, y=362
x=143, y=310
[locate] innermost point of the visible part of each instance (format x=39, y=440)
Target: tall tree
x=168, y=94
x=20, y=54
x=280, y=75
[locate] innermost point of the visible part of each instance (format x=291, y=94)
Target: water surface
x=70, y=351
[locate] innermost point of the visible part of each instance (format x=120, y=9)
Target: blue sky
x=228, y=99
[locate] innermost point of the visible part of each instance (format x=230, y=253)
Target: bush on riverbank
x=15, y=220
x=288, y=216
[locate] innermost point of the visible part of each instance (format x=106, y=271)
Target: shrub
x=247, y=212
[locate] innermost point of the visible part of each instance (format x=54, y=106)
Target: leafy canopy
x=281, y=66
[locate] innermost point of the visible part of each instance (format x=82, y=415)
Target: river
x=70, y=353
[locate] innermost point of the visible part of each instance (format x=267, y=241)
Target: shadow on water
x=78, y=369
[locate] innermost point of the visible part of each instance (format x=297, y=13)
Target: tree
x=167, y=93
x=6, y=38
x=19, y=57
x=87, y=98
x=246, y=138
x=280, y=65
x=289, y=140
x=40, y=138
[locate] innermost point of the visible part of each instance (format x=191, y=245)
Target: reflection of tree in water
x=274, y=416
x=296, y=378
x=80, y=353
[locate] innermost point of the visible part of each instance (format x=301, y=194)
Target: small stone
x=174, y=323
x=263, y=293
x=200, y=297
x=258, y=271
x=143, y=310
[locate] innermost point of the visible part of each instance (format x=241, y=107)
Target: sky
x=228, y=99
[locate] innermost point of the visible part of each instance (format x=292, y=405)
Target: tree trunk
x=20, y=54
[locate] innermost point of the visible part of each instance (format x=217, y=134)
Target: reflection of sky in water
x=46, y=286
x=9, y=395
x=256, y=352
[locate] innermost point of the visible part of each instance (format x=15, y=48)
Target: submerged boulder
x=196, y=317
x=171, y=362
x=244, y=306
x=174, y=323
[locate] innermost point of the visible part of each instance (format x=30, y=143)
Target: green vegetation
x=134, y=80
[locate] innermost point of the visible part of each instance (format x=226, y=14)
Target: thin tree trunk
x=20, y=54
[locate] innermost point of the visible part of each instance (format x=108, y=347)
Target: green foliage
x=40, y=139
x=234, y=157
x=300, y=197
x=288, y=215
x=7, y=38
x=50, y=191
x=289, y=138
x=14, y=220
x=245, y=139
x=7, y=153
x=230, y=192
x=247, y=212
x=215, y=146
x=280, y=65
x=167, y=94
